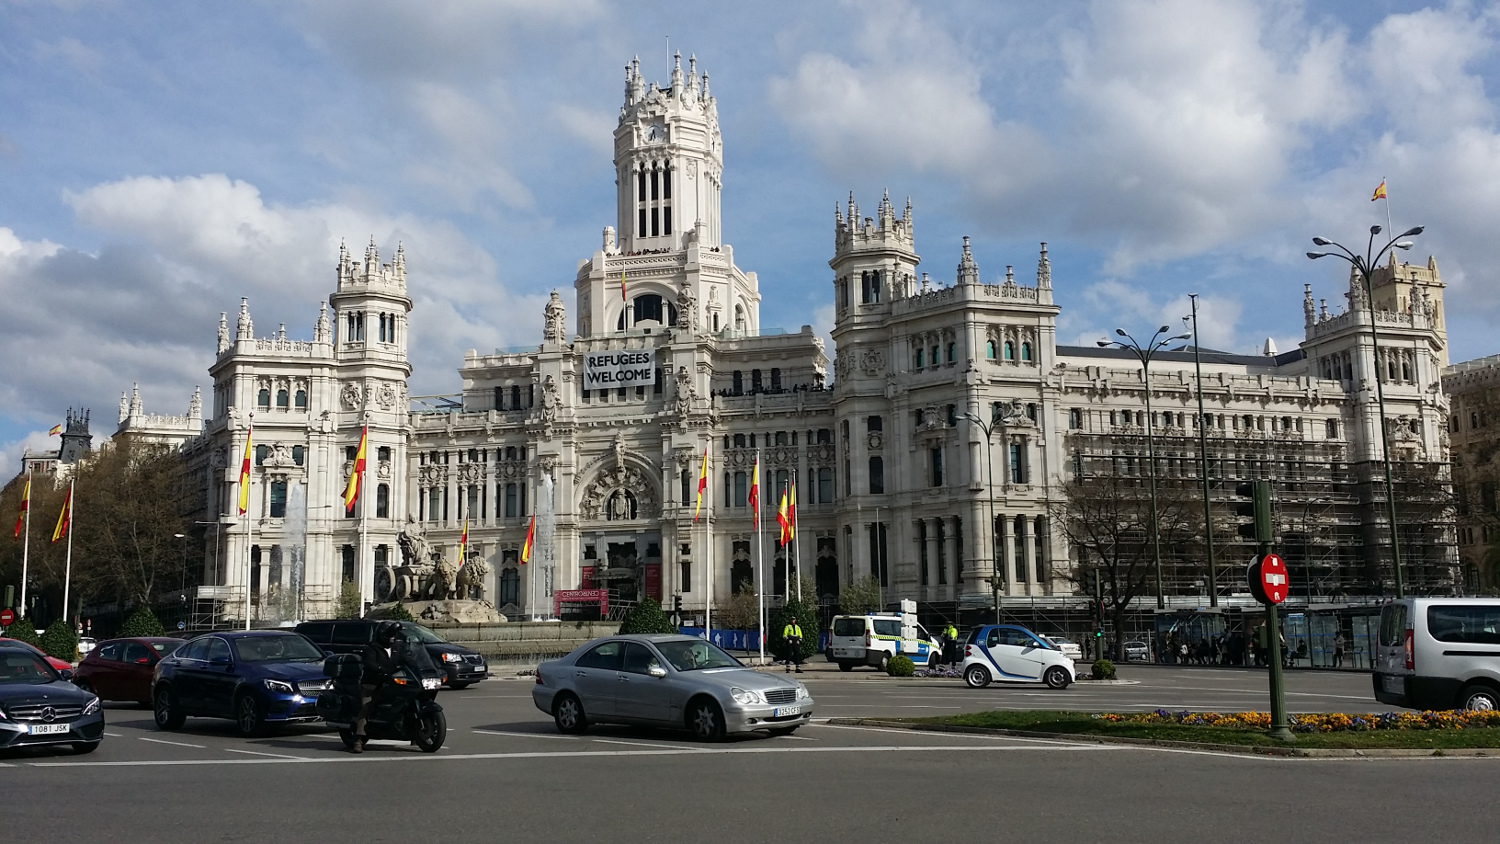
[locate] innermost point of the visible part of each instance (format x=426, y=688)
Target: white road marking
x=878, y=705
x=113, y=735
x=173, y=743
x=588, y=754
x=640, y=743
x=1046, y=741
x=799, y=738
x=524, y=735
x=259, y=753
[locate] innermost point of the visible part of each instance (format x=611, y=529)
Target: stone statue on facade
x=683, y=398
x=555, y=329
x=550, y=401
x=687, y=308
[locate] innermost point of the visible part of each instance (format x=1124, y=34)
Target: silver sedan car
x=667, y=681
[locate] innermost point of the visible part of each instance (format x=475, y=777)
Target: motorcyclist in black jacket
x=380, y=660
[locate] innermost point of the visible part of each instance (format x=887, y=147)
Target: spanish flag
x=784, y=519
x=530, y=538
x=791, y=513
x=25, y=505
x=245, y=472
x=463, y=543
x=65, y=517
x=623, y=297
x=755, y=492
x=351, y=490
x=1379, y=192
x=702, y=485
x=56, y=430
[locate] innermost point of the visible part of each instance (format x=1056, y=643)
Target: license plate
x=1395, y=684
x=786, y=710
x=48, y=729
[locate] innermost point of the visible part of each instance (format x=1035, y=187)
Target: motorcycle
x=403, y=708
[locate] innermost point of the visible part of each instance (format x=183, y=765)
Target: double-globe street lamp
x=1365, y=266
x=1145, y=354
x=996, y=578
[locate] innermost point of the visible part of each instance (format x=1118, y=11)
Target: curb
x=1237, y=749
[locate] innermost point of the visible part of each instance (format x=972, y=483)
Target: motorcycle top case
x=342, y=666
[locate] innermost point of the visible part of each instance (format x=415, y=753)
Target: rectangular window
x=512, y=502
x=278, y=499
x=346, y=559
x=877, y=473
x=873, y=423
x=922, y=550
x=655, y=222
x=937, y=467
x=383, y=501
x=741, y=489
x=434, y=503
x=825, y=486
x=940, y=535
x=666, y=220
x=1017, y=463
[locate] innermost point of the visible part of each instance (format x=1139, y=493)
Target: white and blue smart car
x=1006, y=653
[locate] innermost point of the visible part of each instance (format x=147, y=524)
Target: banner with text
x=621, y=368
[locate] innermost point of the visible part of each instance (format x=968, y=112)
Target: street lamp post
x=183, y=537
x=1208, y=515
x=996, y=579
x=1365, y=266
x=1144, y=354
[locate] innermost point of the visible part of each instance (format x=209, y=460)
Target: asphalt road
x=505, y=773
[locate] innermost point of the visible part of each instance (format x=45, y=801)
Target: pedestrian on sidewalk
x=792, y=635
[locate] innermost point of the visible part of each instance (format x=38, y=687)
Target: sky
x=160, y=161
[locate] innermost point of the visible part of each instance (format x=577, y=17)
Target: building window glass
x=278, y=499
x=989, y=350
x=299, y=454
x=952, y=352
x=741, y=489
x=937, y=466
x=877, y=474
x=383, y=501
x=1025, y=351
x=283, y=400
x=825, y=487
x=263, y=399
x=1010, y=350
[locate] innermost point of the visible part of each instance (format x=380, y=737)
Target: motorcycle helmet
x=387, y=632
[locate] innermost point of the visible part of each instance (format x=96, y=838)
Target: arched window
x=918, y=361
x=1010, y=350
x=510, y=587
x=1025, y=351
x=283, y=401
x=1405, y=368
x=383, y=501
x=952, y=352
x=260, y=454
x=989, y=350
x=648, y=306
x=300, y=400
x=739, y=318
x=264, y=399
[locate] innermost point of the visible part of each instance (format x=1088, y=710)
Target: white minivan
x=1439, y=653
x=875, y=638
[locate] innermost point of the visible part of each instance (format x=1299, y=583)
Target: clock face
x=656, y=132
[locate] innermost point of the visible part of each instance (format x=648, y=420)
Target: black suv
x=462, y=666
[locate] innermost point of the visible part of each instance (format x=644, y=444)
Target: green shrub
x=806, y=614
x=60, y=641
x=24, y=631
x=349, y=602
x=900, y=666
x=399, y=612
x=142, y=622
x=1103, y=669
x=647, y=617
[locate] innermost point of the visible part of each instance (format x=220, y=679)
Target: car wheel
x=84, y=685
x=168, y=714
x=249, y=716
x=784, y=731
x=885, y=662
x=976, y=676
x=846, y=666
x=1056, y=677
x=431, y=730
x=457, y=686
x=1478, y=699
x=934, y=662
x=347, y=737
x=706, y=720
x=567, y=711
x=82, y=747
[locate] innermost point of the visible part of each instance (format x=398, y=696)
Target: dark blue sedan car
x=255, y=677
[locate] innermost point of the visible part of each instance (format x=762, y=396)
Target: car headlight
x=279, y=686
x=91, y=707
x=453, y=657
x=744, y=697
x=803, y=693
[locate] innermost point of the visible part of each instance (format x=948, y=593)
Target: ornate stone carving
x=385, y=396
x=684, y=392
x=872, y=361
x=875, y=440
x=554, y=326
x=433, y=474
x=550, y=403
x=622, y=493
x=548, y=464
x=687, y=307
x=279, y=457
x=350, y=396
x=471, y=473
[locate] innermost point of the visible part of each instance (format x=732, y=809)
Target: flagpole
x=760, y=560
x=72, y=519
x=366, y=584
x=1387, y=199
x=26, y=544
x=249, y=472
x=708, y=533
x=797, y=533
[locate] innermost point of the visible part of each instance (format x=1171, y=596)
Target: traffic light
x=1255, y=505
x=1091, y=581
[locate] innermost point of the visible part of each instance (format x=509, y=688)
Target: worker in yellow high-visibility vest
x=792, y=635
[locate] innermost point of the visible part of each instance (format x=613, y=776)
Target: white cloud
x=84, y=326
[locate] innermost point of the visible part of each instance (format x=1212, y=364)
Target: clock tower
x=668, y=161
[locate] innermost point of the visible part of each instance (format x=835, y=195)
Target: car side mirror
x=656, y=671
x=65, y=673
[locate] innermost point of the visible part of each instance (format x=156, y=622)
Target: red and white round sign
x=7, y=617
x=1274, y=582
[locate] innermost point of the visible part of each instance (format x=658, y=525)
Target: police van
x=874, y=638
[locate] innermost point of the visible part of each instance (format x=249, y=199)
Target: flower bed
x=1330, y=722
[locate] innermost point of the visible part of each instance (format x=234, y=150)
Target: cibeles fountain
x=431, y=587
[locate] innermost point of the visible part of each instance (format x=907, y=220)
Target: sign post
x=1270, y=585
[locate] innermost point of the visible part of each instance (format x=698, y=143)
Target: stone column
x=1005, y=555
x=1028, y=552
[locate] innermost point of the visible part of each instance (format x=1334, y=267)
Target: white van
x=873, y=639
x=1439, y=653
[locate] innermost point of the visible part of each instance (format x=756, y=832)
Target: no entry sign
x=7, y=617
x=1269, y=582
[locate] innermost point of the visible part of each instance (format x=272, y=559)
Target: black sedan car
x=38, y=707
x=462, y=667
